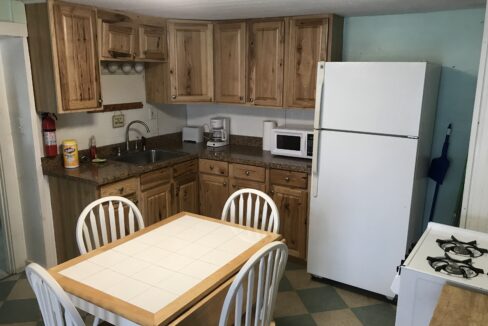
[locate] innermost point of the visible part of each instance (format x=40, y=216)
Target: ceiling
x=231, y=9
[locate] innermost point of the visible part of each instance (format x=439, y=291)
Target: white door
x=359, y=219
x=375, y=97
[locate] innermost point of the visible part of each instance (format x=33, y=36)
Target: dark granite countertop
x=112, y=171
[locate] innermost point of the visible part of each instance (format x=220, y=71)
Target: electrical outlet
x=118, y=121
x=154, y=114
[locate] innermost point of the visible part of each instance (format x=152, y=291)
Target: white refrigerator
x=372, y=142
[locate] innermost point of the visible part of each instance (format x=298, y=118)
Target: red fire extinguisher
x=49, y=135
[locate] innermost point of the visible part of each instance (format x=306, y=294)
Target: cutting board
x=457, y=306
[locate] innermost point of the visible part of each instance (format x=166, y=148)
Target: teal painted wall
x=12, y=11
x=450, y=38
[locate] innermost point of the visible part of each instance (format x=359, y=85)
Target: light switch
x=118, y=120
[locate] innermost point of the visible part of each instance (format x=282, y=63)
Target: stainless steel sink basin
x=148, y=157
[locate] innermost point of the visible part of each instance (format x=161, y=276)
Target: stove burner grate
x=448, y=265
x=467, y=249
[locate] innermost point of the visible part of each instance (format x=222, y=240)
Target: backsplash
x=247, y=121
x=120, y=89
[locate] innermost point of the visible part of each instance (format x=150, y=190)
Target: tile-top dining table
x=163, y=273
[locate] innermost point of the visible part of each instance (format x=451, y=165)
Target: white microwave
x=295, y=141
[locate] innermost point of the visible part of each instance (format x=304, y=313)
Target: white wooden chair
x=256, y=286
x=246, y=203
x=92, y=223
x=56, y=307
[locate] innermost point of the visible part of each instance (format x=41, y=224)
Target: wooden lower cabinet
x=186, y=194
x=214, y=191
x=292, y=205
x=156, y=204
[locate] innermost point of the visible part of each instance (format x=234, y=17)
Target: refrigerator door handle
x=318, y=94
x=315, y=163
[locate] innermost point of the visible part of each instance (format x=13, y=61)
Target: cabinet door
x=230, y=62
x=77, y=52
x=186, y=194
x=265, y=55
x=306, y=46
x=292, y=205
x=156, y=204
x=214, y=191
x=191, y=61
x=118, y=41
x=152, y=43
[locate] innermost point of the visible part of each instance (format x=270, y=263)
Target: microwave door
x=291, y=144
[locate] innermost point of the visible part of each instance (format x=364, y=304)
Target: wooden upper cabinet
x=230, y=62
x=265, y=57
x=306, y=46
x=152, y=43
x=118, y=41
x=191, y=61
x=77, y=53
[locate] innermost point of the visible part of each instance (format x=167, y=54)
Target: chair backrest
x=255, y=287
x=93, y=223
x=244, y=207
x=56, y=307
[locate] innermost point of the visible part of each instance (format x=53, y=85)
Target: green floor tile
x=380, y=314
x=292, y=265
x=301, y=320
x=19, y=311
x=5, y=288
x=284, y=285
x=321, y=299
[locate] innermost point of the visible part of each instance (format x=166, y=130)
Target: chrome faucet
x=127, y=131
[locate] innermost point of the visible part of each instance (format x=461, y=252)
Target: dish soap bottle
x=93, y=148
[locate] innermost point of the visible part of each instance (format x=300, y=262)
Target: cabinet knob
x=251, y=99
x=247, y=172
x=211, y=167
x=272, y=192
x=173, y=97
x=121, y=190
x=241, y=98
x=135, y=201
x=224, y=184
x=287, y=179
x=100, y=101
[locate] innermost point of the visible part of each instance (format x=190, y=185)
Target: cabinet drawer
x=288, y=178
x=247, y=172
x=187, y=167
x=155, y=178
x=214, y=167
x=121, y=188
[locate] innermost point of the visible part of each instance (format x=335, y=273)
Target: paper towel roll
x=267, y=126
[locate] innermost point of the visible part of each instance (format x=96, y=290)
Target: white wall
x=247, y=121
x=119, y=88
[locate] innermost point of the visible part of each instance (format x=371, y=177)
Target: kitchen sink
x=148, y=157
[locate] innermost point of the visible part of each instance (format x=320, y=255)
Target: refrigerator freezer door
x=375, y=97
x=359, y=220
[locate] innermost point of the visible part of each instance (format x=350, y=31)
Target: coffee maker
x=219, y=132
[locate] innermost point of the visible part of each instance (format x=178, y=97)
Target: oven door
x=289, y=143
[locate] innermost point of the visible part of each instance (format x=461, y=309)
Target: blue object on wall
x=449, y=38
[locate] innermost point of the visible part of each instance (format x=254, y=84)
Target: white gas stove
x=443, y=254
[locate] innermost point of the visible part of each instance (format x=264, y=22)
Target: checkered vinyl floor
x=301, y=301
